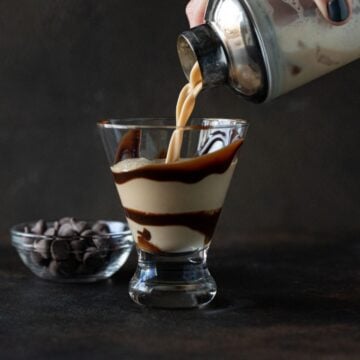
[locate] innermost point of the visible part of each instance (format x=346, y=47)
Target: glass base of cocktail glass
x=172, y=208
x=173, y=280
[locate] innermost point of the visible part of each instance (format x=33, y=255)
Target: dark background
x=64, y=64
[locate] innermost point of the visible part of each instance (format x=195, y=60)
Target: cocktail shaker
x=265, y=48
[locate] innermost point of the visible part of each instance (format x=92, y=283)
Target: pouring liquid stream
x=184, y=108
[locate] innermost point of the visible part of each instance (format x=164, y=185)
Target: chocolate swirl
x=201, y=221
x=186, y=171
x=129, y=146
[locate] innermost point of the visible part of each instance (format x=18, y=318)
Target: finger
x=337, y=12
x=195, y=12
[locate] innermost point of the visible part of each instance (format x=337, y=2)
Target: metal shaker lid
x=203, y=45
x=227, y=50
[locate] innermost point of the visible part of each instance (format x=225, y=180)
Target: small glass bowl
x=74, y=259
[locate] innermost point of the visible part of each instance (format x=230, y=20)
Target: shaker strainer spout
x=203, y=45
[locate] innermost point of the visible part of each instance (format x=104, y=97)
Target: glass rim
x=126, y=123
x=15, y=231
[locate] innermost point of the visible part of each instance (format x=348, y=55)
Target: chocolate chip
x=65, y=220
x=80, y=226
x=88, y=233
x=101, y=243
x=39, y=227
x=56, y=225
x=78, y=248
x=93, y=259
x=88, y=236
x=101, y=228
x=38, y=259
x=78, y=245
x=63, y=268
x=66, y=229
x=53, y=267
x=60, y=249
x=50, y=232
x=42, y=246
x=90, y=242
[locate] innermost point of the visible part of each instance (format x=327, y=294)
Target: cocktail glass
x=172, y=208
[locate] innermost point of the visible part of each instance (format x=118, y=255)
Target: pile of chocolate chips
x=74, y=248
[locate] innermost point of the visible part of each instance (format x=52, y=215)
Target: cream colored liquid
x=184, y=108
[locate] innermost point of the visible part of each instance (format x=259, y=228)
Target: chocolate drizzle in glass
x=143, y=242
x=186, y=171
x=201, y=221
x=129, y=146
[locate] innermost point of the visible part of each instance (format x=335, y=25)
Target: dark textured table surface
x=281, y=296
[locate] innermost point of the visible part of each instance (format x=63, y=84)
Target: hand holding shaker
x=265, y=48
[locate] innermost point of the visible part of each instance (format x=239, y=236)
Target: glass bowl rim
x=126, y=123
x=118, y=236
